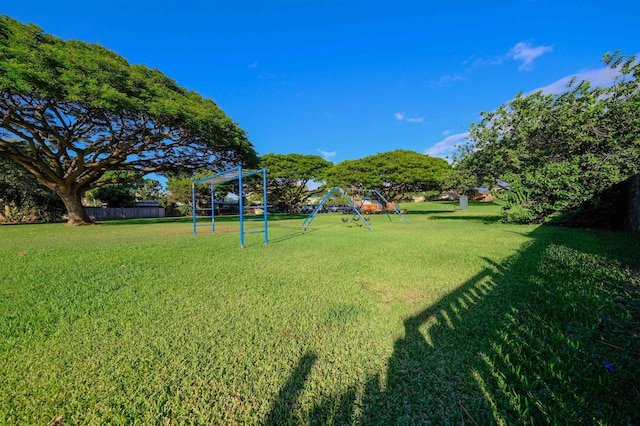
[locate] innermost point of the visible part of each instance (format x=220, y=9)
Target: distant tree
x=461, y=182
x=72, y=111
x=148, y=189
x=395, y=174
x=557, y=151
x=126, y=194
x=179, y=191
x=179, y=187
x=22, y=198
x=288, y=176
x=116, y=194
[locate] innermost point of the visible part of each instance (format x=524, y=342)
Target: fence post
x=633, y=213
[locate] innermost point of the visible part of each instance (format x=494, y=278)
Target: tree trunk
x=77, y=215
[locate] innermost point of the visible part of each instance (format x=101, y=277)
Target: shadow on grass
x=145, y=221
x=482, y=219
x=278, y=239
x=551, y=335
x=428, y=212
x=282, y=411
x=200, y=219
x=287, y=216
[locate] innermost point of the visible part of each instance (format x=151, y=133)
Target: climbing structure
x=227, y=176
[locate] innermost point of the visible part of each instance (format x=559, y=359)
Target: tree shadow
x=146, y=221
x=523, y=341
x=189, y=219
x=282, y=238
x=470, y=218
x=429, y=212
x=287, y=216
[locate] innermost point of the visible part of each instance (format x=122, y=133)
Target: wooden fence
x=100, y=213
x=633, y=214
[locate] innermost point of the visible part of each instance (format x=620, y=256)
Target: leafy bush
x=23, y=199
x=558, y=151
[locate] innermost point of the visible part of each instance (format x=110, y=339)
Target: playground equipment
x=315, y=211
x=375, y=196
x=371, y=195
x=227, y=176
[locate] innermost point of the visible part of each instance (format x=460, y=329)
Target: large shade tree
x=395, y=174
x=288, y=176
x=70, y=111
x=558, y=151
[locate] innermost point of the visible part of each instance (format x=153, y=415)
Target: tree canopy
x=72, y=111
x=288, y=176
x=394, y=174
x=557, y=151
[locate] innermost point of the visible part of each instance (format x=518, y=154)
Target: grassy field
x=453, y=319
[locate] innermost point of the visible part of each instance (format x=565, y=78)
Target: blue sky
x=349, y=78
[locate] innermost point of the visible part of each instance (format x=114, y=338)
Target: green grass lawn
x=453, y=319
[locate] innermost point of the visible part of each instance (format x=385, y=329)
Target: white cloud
x=523, y=52
x=447, y=145
x=526, y=53
x=446, y=132
x=447, y=80
x=600, y=77
x=477, y=62
x=400, y=116
x=327, y=155
x=262, y=73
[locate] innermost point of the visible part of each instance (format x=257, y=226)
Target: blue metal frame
x=315, y=211
x=356, y=211
x=227, y=176
x=383, y=202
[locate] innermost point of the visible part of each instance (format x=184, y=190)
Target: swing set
x=372, y=195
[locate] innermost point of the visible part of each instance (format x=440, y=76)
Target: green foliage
x=460, y=181
x=127, y=188
x=560, y=150
x=288, y=176
x=116, y=194
x=22, y=198
x=148, y=189
x=395, y=174
x=73, y=110
x=179, y=187
x=179, y=199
